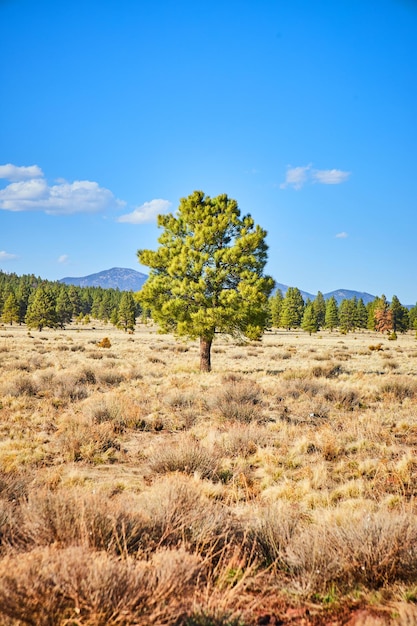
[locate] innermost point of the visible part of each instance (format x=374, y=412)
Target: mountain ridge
x=122, y=278
x=127, y=279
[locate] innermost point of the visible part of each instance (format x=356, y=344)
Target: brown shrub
x=48, y=586
x=240, y=401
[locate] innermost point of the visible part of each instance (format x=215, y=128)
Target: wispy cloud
x=7, y=256
x=297, y=177
x=64, y=258
x=330, y=177
x=15, y=172
x=342, y=235
x=147, y=212
x=29, y=191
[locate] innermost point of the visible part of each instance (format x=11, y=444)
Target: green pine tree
x=42, y=310
x=331, y=320
x=64, y=308
x=400, y=316
x=292, y=309
x=10, y=310
x=275, y=303
x=127, y=312
x=347, y=315
x=207, y=275
x=319, y=305
x=309, y=323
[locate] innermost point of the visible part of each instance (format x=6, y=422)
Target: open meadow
x=278, y=489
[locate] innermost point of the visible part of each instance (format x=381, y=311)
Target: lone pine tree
x=207, y=275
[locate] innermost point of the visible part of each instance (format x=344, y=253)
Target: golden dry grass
x=281, y=486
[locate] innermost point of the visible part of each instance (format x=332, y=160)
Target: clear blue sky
x=304, y=112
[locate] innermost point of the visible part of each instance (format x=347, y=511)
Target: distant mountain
x=127, y=279
x=124, y=279
x=339, y=294
x=348, y=294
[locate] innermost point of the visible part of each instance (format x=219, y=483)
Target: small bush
x=104, y=343
x=240, y=401
x=185, y=456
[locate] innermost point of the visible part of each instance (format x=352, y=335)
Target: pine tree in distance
x=207, y=275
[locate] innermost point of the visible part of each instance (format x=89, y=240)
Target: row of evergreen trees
x=290, y=311
x=40, y=303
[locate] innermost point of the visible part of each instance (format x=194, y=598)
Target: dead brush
x=79, y=439
x=74, y=585
x=243, y=440
x=272, y=530
x=240, y=401
x=399, y=389
x=180, y=515
x=332, y=370
x=186, y=456
x=81, y=518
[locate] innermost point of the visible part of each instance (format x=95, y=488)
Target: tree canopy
x=207, y=275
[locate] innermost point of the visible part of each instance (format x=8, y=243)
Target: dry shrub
x=110, y=377
x=273, y=530
x=244, y=440
x=240, y=401
x=332, y=370
x=374, y=549
x=49, y=587
x=104, y=343
x=21, y=386
x=343, y=397
x=79, y=439
x=399, y=389
x=79, y=518
x=184, y=455
x=179, y=514
x=296, y=388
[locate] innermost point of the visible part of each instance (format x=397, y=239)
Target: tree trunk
x=205, y=358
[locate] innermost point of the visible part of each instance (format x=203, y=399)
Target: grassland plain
x=278, y=489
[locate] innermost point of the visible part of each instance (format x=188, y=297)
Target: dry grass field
x=278, y=489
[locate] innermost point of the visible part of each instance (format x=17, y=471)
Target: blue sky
x=304, y=112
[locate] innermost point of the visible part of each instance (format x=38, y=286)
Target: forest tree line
x=40, y=303
x=290, y=311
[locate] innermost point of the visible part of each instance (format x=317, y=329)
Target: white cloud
x=63, y=198
x=147, y=212
x=341, y=235
x=15, y=173
x=297, y=177
x=330, y=177
x=7, y=256
x=64, y=258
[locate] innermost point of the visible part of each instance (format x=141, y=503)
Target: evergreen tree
x=207, y=274
x=309, y=323
x=64, y=308
x=106, y=306
x=127, y=312
x=42, y=310
x=412, y=318
x=400, y=316
x=275, y=303
x=10, y=310
x=361, y=314
x=319, y=305
x=332, y=315
x=292, y=309
x=75, y=300
x=347, y=315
